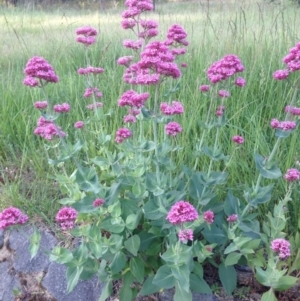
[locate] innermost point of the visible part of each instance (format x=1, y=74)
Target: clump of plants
x=140, y=217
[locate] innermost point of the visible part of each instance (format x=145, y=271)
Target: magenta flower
x=281, y=74
x=129, y=119
x=79, y=125
x=183, y=65
x=133, y=99
x=66, y=217
x=204, y=88
x=86, y=35
x=232, y=218
x=125, y=60
x=135, y=45
x=61, y=108
x=292, y=175
x=182, y=212
x=282, y=247
x=238, y=139
x=208, y=216
x=122, y=134
x=47, y=129
x=220, y=111
x=175, y=108
x=283, y=125
x=185, y=235
x=176, y=35
x=41, y=105
x=224, y=93
x=240, y=82
x=292, y=110
x=38, y=69
x=223, y=69
x=12, y=216
x=92, y=91
x=98, y=202
x=173, y=128
x=94, y=106
x=292, y=60
x=90, y=70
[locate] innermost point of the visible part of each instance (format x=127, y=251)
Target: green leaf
x=125, y=293
x=182, y=273
x=106, y=291
x=164, y=278
x=114, y=209
x=132, y=244
x=181, y=294
x=232, y=258
x=284, y=283
x=198, y=269
x=137, y=268
x=269, y=296
x=118, y=263
x=262, y=196
x=113, y=192
x=214, y=235
x=61, y=255
x=228, y=278
x=146, y=240
x=73, y=274
x=34, y=242
x=231, y=204
x=115, y=243
x=87, y=180
x=231, y=248
x=132, y=221
x=269, y=172
x=85, y=205
x=199, y=285
x=152, y=210
x=114, y=226
x=148, y=287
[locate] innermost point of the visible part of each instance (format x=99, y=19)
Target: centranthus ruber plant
x=138, y=216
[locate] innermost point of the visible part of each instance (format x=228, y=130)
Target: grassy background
x=259, y=33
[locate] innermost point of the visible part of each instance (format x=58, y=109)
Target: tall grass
x=259, y=33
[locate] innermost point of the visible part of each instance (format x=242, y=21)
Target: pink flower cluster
x=176, y=35
x=47, y=129
x=134, y=45
x=232, y=218
x=86, y=35
x=224, y=93
x=61, y=108
x=12, y=216
x=92, y=91
x=185, y=235
x=204, y=88
x=175, y=108
x=150, y=29
x=209, y=216
x=131, y=98
x=136, y=7
x=98, y=202
x=94, y=106
x=79, y=125
x=220, y=110
x=292, y=62
x=240, y=82
x=292, y=175
x=292, y=110
x=221, y=70
x=41, y=105
x=125, y=60
x=90, y=70
x=282, y=125
x=66, y=217
x=156, y=61
x=129, y=119
x=173, y=128
x=38, y=69
x=122, y=134
x=182, y=212
x=282, y=247
x=238, y=139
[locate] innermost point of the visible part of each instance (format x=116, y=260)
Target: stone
x=8, y=282
x=168, y=295
x=19, y=241
x=55, y=282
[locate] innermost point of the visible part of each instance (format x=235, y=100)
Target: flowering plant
x=139, y=219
